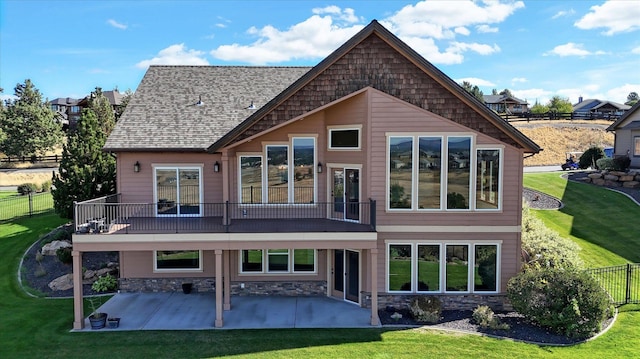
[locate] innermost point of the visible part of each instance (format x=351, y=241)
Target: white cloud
x=563, y=13
x=615, y=16
x=347, y=15
x=462, y=31
x=482, y=49
x=518, y=80
x=176, y=54
x=619, y=94
x=476, y=82
x=485, y=29
x=436, y=18
x=116, y=24
x=533, y=95
x=221, y=25
x=636, y=50
x=572, y=49
x=315, y=37
x=429, y=50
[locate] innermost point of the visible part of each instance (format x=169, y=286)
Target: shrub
x=426, y=309
x=621, y=163
x=590, y=156
x=605, y=163
x=485, y=318
x=105, y=283
x=64, y=255
x=27, y=188
x=545, y=247
x=567, y=302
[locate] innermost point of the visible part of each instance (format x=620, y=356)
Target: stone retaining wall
x=629, y=179
x=263, y=288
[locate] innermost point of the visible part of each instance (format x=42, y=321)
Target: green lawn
x=38, y=327
x=13, y=205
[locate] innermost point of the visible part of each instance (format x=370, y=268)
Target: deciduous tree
x=558, y=104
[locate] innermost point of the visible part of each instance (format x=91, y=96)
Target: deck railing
x=107, y=215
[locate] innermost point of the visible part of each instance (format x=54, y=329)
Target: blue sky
x=537, y=49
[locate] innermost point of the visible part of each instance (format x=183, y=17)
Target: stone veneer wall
x=497, y=302
x=155, y=285
x=629, y=179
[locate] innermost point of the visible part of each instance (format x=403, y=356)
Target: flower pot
x=98, y=321
x=113, y=322
x=186, y=288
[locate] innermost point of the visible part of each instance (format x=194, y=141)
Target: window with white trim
x=488, y=178
x=178, y=191
x=442, y=267
x=250, y=179
x=177, y=261
x=278, y=261
x=636, y=146
x=344, y=138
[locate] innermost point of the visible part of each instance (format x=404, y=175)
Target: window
x=250, y=179
x=178, y=261
x=278, y=261
x=344, y=138
x=442, y=268
x=487, y=179
x=443, y=176
x=178, y=191
x=303, y=170
x=636, y=146
x=277, y=174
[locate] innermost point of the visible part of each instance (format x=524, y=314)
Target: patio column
x=78, y=311
x=227, y=281
x=374, y=286
x=219, y=286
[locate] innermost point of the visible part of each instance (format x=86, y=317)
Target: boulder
x=88, y=274
x=618, y=173
x=626, y=178
x=598, y=181
x=594, y=175
x=50, y=249
x=104, y=271
x=64, y=282
x=611, y=177
x=631, y=184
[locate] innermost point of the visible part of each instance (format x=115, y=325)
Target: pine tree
x=103, y=110
x=28, y=124
x=86, y=171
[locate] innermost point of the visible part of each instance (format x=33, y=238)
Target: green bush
x=605, y=163
x=621, y=163
x=46, y=186
x=64, y=255
x=485, y=318
x=426, y=308
x=567, y=302
x=105, y=283
x=27, y=188
x=590, y=156
x=546, y=248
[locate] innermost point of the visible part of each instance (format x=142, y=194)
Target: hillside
x=558, y=138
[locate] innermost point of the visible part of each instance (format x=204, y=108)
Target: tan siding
x=139, y=264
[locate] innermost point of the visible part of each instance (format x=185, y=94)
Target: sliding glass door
x=178, y=191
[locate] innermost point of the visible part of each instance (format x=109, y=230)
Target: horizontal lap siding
x=139, y=264
x=138, y=187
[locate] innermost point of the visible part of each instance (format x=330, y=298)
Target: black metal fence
x=27, y=205
x=551, y=116
x=621, y=282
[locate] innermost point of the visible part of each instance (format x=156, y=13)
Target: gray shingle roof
x=163, y=113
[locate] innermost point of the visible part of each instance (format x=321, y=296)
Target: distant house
x=627, y=135
x=371, y=178
x=67, y=110
x=595, y=108
x=505, y=104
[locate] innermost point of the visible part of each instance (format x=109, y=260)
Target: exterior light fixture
x=216, y=167
x=319, y=167
x=136, y=167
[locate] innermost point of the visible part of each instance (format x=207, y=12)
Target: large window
x=178, y=260
x=178, y=191
x=487, y=179
x=442, y=268
x=250, y=179
x=303, y=169
x=278, y=174
x=278, y=261
x=438, y=173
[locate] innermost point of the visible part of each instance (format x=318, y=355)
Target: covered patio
x=197, y=311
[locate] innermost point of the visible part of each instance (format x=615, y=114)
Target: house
x=506, y=104
x=301, y=181
x=594, y=108
x=627, y=135
x=66, y=110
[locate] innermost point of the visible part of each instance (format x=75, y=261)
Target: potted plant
x=113, y=322
x=102, y=284
x=186, y=288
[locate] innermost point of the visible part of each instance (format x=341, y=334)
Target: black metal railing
x=107, y=215
x=27, y=205
x=621, y=282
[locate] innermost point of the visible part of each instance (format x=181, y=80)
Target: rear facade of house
x=370, y=178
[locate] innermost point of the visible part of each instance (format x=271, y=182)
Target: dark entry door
x=352, y=276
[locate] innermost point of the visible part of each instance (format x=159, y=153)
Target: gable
x=374, y=62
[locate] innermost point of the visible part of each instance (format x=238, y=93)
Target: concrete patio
x=196, y=311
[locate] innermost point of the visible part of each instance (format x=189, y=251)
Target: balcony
x=106, y=215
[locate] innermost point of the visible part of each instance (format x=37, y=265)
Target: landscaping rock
x=64, y=282
x=626, y=178
x=50, y=249
x=611, y=177
x=631, y=184
x=88, y=274
x=594, y=175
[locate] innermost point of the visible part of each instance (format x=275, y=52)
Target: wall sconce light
x=216, y=167
x=136, y=167
x=319, y=167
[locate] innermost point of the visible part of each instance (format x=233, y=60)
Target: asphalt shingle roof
x=163, y=114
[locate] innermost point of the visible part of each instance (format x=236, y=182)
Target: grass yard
x=14, y=205
x=37, y=327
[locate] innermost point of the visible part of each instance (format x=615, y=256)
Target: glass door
x=346, y=275
x=345, y=194
x=178, y=192
x=352, y=194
